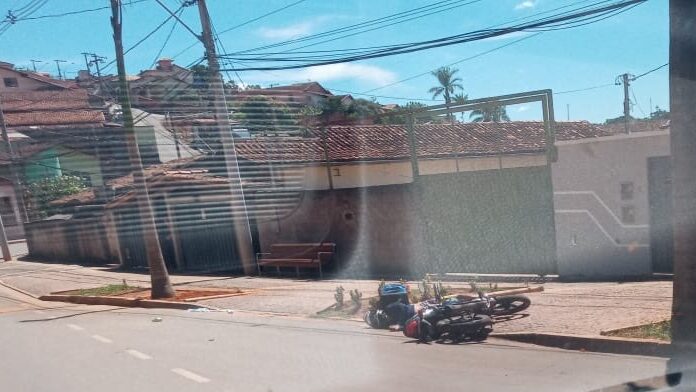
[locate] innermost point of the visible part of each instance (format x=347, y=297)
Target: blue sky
x=634, y=42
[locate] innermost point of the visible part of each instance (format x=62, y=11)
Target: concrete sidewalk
x=567, y=308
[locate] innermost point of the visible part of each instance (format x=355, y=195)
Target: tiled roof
x=45, y=100
x=390, y=142
x=54, y=118
x=49, y=108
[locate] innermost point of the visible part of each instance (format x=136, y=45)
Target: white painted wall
x=591, y=238
x=364, y=174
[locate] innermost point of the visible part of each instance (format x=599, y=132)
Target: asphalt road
x=78, y=348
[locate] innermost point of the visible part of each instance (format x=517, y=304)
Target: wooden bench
x=312, y=255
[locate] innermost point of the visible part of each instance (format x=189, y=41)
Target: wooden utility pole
x=159, y=277
x=60, y=74
x=682, y=95
x=625, y=80
x=238, y=209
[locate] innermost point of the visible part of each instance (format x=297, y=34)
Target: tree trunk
x=159, y=278
x=683, y=140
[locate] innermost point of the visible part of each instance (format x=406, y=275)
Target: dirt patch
x=182, y=294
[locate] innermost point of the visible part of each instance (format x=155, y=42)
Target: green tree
x=39, y=194
x=497, y=113
x=659, y=114
x=262, y=115
x=460, y=99
x=448, y=84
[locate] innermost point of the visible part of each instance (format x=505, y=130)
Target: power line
x=584, y=89
x=148, y=35
x=565, y=20
x=636, y=102
x=242, y=24
x=177, y=18
x=649, y=72
x=371, y=22
x=456, y=62
x=77, y=12
x=166, y=41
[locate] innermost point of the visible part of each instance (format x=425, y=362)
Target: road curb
x=119, y=301
x=601, y=344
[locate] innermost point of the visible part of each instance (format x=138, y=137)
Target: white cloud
x=526, y=4
x=358, y=72
x=287, y=32
x=522, y=108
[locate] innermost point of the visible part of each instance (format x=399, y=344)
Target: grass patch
x=660, y=331
x=110, y=289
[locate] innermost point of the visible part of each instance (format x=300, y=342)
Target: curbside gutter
x=122, y=302
x=600, y=344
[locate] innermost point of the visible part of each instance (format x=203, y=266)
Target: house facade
x=16, y=80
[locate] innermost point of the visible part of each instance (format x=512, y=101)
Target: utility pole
x=33, y=63
x=568, y=111
x=96, y=60
x=6, y=255
x=626, y=80
x=238, y=204
x=85, y=54
x=60, y=74
x=159, y=278
x=682, y=95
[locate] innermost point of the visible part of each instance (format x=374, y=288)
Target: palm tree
x=490, y=114
x=460, y=99
x=448, y=84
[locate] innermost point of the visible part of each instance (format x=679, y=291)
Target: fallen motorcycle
x=455, y=322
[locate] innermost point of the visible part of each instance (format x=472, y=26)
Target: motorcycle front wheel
x=510, y=304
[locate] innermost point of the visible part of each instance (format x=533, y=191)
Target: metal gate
x=660, y=202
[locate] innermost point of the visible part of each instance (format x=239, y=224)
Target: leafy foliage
x=40, y=193
x=264, y=116
x=490, y=114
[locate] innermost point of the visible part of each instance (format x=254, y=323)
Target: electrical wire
x=372, y=22
x=495, y=32
x=240, y=25
x=447, y=41
x=143, y=39
x=649, y=72
x=178, y=19
x=166, y=41
x=77, y=12
x=455, y=62
x=636, y=102
x=584, y=89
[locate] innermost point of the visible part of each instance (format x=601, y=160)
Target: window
x=10, y=82
x=628, y=214
x=336, y=172
x=9, y=218
x=627, y=191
